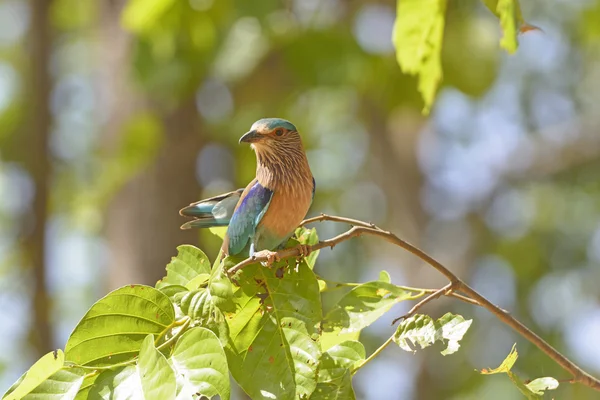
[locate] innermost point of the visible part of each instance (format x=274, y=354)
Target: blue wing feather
x=247, y=215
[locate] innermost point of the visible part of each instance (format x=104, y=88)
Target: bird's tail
x=208, y=213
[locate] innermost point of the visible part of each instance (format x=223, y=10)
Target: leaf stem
x=373, y=355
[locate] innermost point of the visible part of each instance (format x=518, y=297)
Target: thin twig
x=360, y=228
x=372, y=356
x=446, y=290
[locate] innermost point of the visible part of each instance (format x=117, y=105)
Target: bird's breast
x=286, y=210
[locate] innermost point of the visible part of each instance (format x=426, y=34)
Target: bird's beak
x=250, y=137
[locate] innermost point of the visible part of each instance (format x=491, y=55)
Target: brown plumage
x=274, y=203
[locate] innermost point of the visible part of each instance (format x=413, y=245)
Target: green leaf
x=141, y=16
x=157, y=377
x=453, y=328
x=508, y=21
x=219, y=231
x=423, y=330
x=274, y=351
x=340, y=359
x=362, y=306
x=331, y=391
x=309, y=237
x=189, y=268
x=506, y=11
x=539, y=385
x=119, y=383
x=86, y=386
x=172, y=290
x=201, y=364
x=114, y=328
x=200, y=306
x=418, y=35
x=533, y=390
x=384, y=276
x=221, y=289
x=506, y=365
x=62, y=385
x=38, y=373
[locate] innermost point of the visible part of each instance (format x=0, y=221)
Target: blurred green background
x=115, y=114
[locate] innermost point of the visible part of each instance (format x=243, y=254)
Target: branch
x=360, y=228
x=446, y=290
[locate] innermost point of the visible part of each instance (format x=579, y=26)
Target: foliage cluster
x=267, y=327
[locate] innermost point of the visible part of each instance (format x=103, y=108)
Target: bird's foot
x=271, y=256
x=303, y=250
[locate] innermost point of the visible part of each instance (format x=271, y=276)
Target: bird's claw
x=303, y=250
x=271, y=256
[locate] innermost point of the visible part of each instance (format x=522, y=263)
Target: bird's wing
x=253, y=204
x=215, y=211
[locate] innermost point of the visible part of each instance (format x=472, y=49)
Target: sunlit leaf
x=189, y=268
x=418, y=35
x=384, y=276
x=115, y=326
x=275, y=348
x=219, y=231
x=362, y=306
x=38, y=373
x=201, y=364
x=335, y=391
x=309, y=237
x=221, y=289
x=507, y=9
x=506, y=365
x=422, y=330
x=62, y=385
x=539, y=385
x=118, y=383
x=340, y=359
x=157, y=377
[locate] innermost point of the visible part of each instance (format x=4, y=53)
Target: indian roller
x=264, y=215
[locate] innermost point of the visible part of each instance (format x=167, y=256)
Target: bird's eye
x=279, y=132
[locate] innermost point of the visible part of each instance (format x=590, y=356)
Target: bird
x=261, y=217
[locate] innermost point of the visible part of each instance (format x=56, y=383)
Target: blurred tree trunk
x=37, y=162
x=142, y=220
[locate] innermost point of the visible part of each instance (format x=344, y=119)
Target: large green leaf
x=332, y=391
x=221, y=289
x=200, y=305
x=114, y=328
x=340, y=359
x=62, y=385
x=158, y=379
x=359, y=308
x=200, y=364
x=190, y=268
x=418, y=35
x=275, y=349
x=86, y=386
x=120, y=383
x=38, y=373
x=423, y=330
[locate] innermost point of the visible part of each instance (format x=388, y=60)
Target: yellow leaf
x=418, y=34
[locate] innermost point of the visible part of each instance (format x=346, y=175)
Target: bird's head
x=272, y=134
